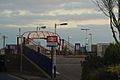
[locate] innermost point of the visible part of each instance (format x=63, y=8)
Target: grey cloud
x=41, y=6
x=27, y=20
x=32, y=5
x=80, y=17
x=78, y=5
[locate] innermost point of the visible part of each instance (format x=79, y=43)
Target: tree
x=112, y=55
x=111, y=8
x=102, y=68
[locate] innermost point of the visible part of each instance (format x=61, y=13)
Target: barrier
x=41, y=60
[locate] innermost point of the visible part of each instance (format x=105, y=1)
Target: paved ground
x=70, y=71
x=24, y=76
x=5, y=76
x=69, y=68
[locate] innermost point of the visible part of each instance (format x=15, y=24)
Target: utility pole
x=68, y=45
x=54, y=50
x=4, y=40
x=90, y=44
x=87, y=41
x=21, y=49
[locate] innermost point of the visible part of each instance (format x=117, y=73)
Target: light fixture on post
x=87, y=40
x=37, y=31
x=59, y=24
x=68, y=45
x=54, y=59
x=4, y=40
x=39, y=28
x=20, y=43
x=90, y=48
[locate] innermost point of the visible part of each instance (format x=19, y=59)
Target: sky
x=28, y=14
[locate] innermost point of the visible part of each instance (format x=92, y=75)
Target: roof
x=39, y=34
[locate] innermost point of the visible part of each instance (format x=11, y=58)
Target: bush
x=92, y=63
x=96, y=68
x=114, y=69
x=103, y=74
x=112, y=54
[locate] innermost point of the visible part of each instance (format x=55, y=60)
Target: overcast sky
x=77, y=13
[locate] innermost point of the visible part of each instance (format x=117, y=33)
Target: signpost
x=52, y=41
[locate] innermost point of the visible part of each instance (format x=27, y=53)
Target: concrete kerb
x=27, y=77
x=18, y=75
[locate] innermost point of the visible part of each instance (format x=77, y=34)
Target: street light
x=86, y=45
x=21, y=49
x=38, y=28
x=4, y=40
x=54, y=59
x=1, y=39
x=69, y=37
x=90, y=34
x=59, y=24
x=20, y=36
x=86, y=32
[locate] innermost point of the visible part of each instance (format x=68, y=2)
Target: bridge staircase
x=39, y=60
x=69, y=47
x=37, y=47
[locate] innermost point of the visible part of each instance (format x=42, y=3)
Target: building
x=99, y=48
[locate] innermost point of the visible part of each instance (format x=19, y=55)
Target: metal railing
x=37, y=47
x=70, y=47
x=40, y=60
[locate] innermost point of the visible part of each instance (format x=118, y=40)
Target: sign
x=52, y=44
x=52, y=41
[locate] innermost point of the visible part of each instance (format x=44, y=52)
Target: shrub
x=91, y=64
x=112, y=54
x=103, y=74
x=96, y=68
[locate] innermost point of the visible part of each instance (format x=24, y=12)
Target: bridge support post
x=52, y=51
x=53, y=70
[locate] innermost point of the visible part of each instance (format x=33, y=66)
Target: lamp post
x=0, y=40
x=58, y=25
x=38, y=28
x=21, y=48
x=20, y=36
x=90, y=41
x=54, y=59
x=86, y=45
x=69, y=37
x=4, y=40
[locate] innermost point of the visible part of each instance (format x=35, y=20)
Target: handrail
x=70, y=46
x=36, y=46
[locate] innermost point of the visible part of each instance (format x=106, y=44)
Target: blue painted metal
x=41, y=60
